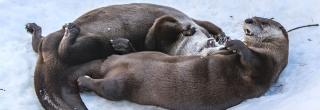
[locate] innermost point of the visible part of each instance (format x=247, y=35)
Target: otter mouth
x=248, y=32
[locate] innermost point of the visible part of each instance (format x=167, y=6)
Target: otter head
x=263, y=29
x=268, y=37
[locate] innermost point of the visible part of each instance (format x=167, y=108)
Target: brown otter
x=138, y=23
x=88, y=38
x=214, y=82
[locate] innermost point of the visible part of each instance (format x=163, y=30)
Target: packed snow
x=298, y=88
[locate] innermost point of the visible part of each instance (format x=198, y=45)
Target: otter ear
x=164, y=31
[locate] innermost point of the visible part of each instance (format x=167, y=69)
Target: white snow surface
x=298, y=87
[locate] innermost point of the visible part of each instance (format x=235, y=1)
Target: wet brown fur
x=60, y=55
x=215, y=82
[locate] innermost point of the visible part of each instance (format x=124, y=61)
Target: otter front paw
x=122, y=45
x=188, y=30
x=222, y=39
x=235, y=45
x=32, y=27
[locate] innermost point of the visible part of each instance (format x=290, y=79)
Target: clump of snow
x=297, y=88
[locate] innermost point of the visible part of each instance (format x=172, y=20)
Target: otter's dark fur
x=88, y=38
x=214, y=82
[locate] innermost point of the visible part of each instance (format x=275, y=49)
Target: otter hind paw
x=71, y=28
x=32, y=27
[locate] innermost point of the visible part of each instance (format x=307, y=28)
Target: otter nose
x=249, y=21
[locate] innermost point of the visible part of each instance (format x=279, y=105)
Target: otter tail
x=61, y=98
x=39, y=82
x=53, y=89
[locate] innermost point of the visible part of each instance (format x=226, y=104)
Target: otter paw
x=189, y=30
x=223, y=39
x=235, y=45
x=32, y=27
x=83, y=83
x=71, y=28
x=121, y=45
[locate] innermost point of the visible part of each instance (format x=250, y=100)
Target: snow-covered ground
x=297, y=89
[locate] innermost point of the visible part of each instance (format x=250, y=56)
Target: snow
x=297, y=88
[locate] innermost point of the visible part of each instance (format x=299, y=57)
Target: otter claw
x=223, y=40
x=72, y=28
x=69, y=26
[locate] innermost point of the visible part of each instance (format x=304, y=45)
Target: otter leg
x=35, y=30
x=110, y=88
x=247, y=57
x=122, y=45
x=212, y=28
x=79, y=50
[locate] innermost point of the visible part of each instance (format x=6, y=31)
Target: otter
x=142, y=24
x=214, y=82
x=106, y=31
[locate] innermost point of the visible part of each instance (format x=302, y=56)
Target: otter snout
x=251, y=27
x=263, y=28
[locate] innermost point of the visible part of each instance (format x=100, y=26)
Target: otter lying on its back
x=214, y=82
